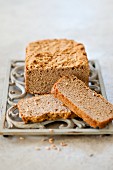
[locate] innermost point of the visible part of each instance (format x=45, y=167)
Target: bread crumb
x=21, y=138
x=12, y=92
x=47, y=148
x=63, y=144
x=62, y=125
x=59, y=149
x=51, y=130
x=37, y=148
x=51, y=140
x=53, y=146
x=91, y=155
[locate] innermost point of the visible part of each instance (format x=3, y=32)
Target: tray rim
x=4, y=96
x=6, y=131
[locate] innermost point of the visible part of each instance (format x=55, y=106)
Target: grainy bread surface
x=84, y=102
x=48, y=60
x=43, y=107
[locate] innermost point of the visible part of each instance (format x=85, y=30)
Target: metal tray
x=12, y=124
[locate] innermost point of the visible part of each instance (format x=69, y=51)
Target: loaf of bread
x=87, y=104
x=48, y=60
x=43, y=107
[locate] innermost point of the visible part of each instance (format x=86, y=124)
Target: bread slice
x=48, y=60
x=87, y=104
x=41, y=108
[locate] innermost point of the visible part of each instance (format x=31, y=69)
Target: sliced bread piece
x=41, y=108
x=87, y=104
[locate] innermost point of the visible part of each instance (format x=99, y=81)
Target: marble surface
x=90, y=22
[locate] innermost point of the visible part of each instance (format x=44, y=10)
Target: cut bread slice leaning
x=93, y=108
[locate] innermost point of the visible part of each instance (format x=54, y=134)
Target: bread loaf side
x=48, y=60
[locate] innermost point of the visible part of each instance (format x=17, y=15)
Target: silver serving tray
x=12, y=124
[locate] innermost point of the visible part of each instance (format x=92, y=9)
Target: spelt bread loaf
x=48, y=60
x=87, y=104
x=41, y=108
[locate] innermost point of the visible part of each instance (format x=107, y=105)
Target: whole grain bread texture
x=93, y=108
x=48, y=60
x=41, y=108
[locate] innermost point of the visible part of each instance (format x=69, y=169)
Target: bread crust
x=48, y=60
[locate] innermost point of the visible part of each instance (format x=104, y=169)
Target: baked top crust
x=52, y=53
